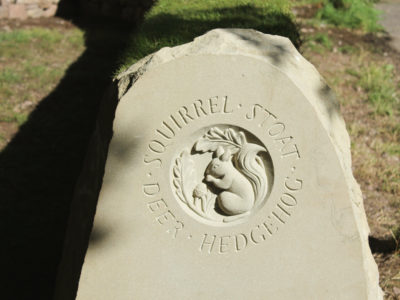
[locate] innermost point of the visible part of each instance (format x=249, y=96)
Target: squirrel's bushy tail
x=252, y=166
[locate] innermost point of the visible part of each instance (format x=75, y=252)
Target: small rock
x=396, y=291
x=51, y=11
x=22, y=106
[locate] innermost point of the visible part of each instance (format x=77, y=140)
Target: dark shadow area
x=387, y=245
x=39, y=168
x=172, y=29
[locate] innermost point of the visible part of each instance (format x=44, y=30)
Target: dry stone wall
x=22, y=9
x=116, y=9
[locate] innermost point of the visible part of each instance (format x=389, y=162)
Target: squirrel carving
x=241, y=177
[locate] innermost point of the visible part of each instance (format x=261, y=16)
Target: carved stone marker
x=228, y=176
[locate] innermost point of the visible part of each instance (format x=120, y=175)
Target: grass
x=8, y=76
x=32, y=62
x=354, y=14
x=319, y=42
x=381, y=88
x=379, y=84
x=347, y=49
x=173, y=22
x=375, y=81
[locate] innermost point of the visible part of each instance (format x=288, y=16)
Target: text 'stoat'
x=228, y=176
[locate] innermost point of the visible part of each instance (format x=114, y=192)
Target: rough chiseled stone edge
x=279, y=52
x=84, y=202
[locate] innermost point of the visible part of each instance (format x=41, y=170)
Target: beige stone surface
x=3, y=12
x=228, y=176
x=17, y=11
x=50, y=11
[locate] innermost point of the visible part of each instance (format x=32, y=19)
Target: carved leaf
x=188, y=174
x=177, y=181
x=184, y=177
x=215, y=137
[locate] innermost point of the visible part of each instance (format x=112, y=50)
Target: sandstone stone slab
x=228, y=176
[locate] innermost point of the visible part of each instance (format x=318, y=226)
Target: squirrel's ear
x=220, y=151
x=226, y=156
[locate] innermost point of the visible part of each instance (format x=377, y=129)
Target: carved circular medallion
x=224, y=177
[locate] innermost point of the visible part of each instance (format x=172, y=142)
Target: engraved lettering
x=284, y=141
x=206, y=242
x=276, y=129
x=180, y=227
x=214, y=105
x=282, y=209
x=175, y=121
x=295, y=151
x=223, y=245
x=157, y=205
x=270, y=225
x=226, y=111
x=157, y=146
x=250, y=116
x=294, y=185
x=267, y=118
x=151, y=189
x=183, y=111
x=237, y=173
x=288, y=200
x=257, y=238
x=198, y=106
x=279, y=217
x=165, y=217
x=240, y=242
x=170, y=132
x=147, y=160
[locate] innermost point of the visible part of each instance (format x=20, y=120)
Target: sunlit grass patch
x=378, y=164
x=319, y=42
x=9, y=76
x=352, y=14
x=378, y=82
x=32, y=62
x=173, y=22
